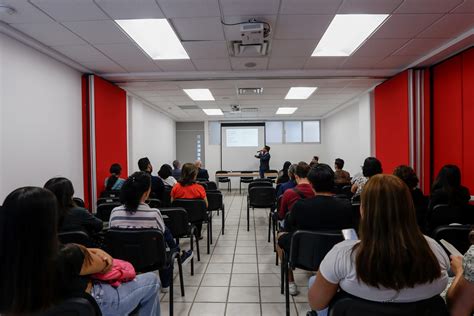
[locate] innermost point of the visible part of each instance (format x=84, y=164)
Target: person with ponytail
x=114, y=182
x=135, y=213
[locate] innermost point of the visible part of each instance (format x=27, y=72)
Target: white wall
x=151, y=134
x=347, y=134
x=40, y=119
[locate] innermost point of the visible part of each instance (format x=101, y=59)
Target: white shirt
x=170, y=181
x=338, y=267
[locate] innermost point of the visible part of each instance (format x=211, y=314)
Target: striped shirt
x=143, y=217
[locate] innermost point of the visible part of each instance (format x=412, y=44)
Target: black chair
x=352, y=306
x=211, y=185
x=259, y=183
x=457, y=235
x=76, y=237
x=107, y=200
x=216, y=203
x=166, y=197
x=356, y=215
x=223, y=179
x=307, y=251
x=272, y=178
x=145, y=249
x=110, y=194
x=79, y=202
x=154, y=203
x=261, y=197
x=203, y=184
x=444, y=214
x=177, y=221
x=245, y=180
x=85, y=305
x=104, y=210
x=197, y=212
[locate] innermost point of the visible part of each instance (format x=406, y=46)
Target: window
x=293, y=132
x=274, y=132
x=311, y=131
x=214, y=130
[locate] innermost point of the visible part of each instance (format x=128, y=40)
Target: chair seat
x=224, y=180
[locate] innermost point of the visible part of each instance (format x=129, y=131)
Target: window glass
x=293, y=132
x=214, y=133
x=311, y=132
x=274, y=132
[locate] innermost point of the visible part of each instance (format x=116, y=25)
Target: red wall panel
x=392, y=122
x=110, y=104
x=426, y=136
x=468, y=117
x=86, y=158
x=447, y=114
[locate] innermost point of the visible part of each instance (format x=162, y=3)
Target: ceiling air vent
x=254, y=50
x=249, y=110
x=188, y=107
x=250, y=91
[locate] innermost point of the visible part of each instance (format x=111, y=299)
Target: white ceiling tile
x=126, y=9
x=396, y=62
x=355, y=62
x=369, y=6
x=199, y=29
x=466, y=7
x=405, y=25
x=135, y=65
x=324, y=62
x=379, y=47
x=428, y=6
x=309, y=6
x=189, y=8
x=302, y=26
x=232, y=32
x=122, y=51
x=25, y=13
x=99, y=32
x=224, y=92
x=80, y=52
x=249, y=7
x=104, y=66
x=175, y=65
x=287, y=63
x=71, y=10
x=216, y=64
x=172, y=93
x=449, y=26
x=206, y=49
x=419, y=46
x=292, y=48
x=50, y=34
x=240, y=63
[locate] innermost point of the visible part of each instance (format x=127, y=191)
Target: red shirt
x=193, y=191
x=290, y=197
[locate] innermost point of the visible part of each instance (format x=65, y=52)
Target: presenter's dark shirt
x=264, y=160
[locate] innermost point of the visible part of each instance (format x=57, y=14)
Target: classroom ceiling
x=416, y=33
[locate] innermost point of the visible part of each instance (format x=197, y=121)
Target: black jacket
x=203, y=174
x=264, y=160
x=79, y=218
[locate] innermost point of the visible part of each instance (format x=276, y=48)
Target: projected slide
x=242, y=137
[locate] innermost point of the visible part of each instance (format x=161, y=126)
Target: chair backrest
x=254, y=184
x=457, y=235
x=177, y=220
x=79, y=202
x=203, y=184
x=444, y=214
x=110, y=194
x=211, y=185
x=356, y=214
x=154, y=203
x=262, y=196
x=215, y=200
x=195, y=208
x=351, y=306
x=107, y=200
x=144, y=248
x=222, y=172
x=308, y=248
x=166, y=198
x=75, y=237
x=104, y=210
x=77, y=306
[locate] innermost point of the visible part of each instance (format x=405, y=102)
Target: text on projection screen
x=242, y=137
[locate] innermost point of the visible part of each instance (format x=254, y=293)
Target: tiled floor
x=239, y=277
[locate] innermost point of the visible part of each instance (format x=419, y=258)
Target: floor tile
x=244, y=280
x=189, y=294
x=244, y=294
x=271, y=295
x=179, y=309
x=269, y=279
x=245, y=250
x=245, y=259
x=214, y=294
x=188, y=279
x=222, y=258
x=277, y=309
x=216, y=279
x=244, y=268
x=207, y=309
x=240, y=309
x=223, y=250
x=219, y=268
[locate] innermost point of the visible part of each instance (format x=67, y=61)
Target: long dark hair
x=28, y=250
x=64, y=192
x=115, y=171
x=188, y=174
x=133, y=189
x=448, y=180
x=392, y=253
x=165, y=171
x=371, y=167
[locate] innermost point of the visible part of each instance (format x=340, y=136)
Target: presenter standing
x=264, y=156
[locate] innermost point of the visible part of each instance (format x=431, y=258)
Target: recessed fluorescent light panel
x=155, y=37
x=300, y=93
x=286, y=110
x=199, y=94
x=213, y=111
x=347, y=32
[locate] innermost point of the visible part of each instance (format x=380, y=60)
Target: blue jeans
x=142, y=292
x=262, y=172
x=323, y=312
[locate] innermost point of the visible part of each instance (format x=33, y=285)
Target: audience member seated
x=302, y=190
x=324, y=211
x=371, y=167
x=447, y=189
x=176, y=170
x=157, y=185
x=37, y=272
x=314, y=161
x=283, y=173
x=291, y=182
x=70, y=216
x=392, y=261
x=135, y=213
x=187, y=188
x=114, y=182
x=202, y=173
x=461, y=292
x=341, y=177
x=166, y=175
x=408, y=175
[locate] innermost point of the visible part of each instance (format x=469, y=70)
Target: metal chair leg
x=248, y=217
x=282, y=273
x=269, y=225
x=180, y=269
x=287, y=287
x=223, y=219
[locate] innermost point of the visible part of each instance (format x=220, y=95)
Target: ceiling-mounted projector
x=252, y=33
